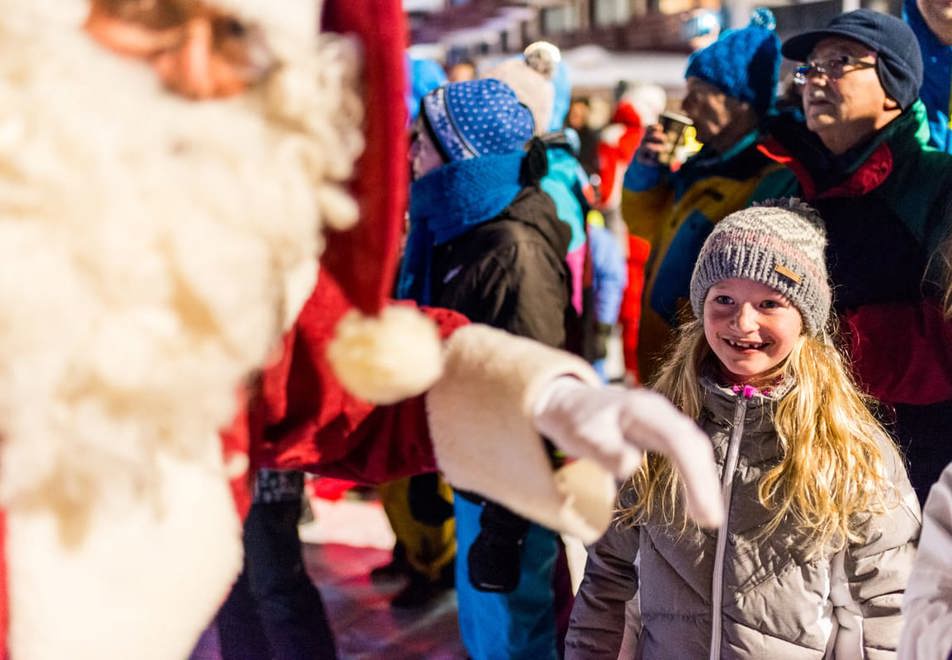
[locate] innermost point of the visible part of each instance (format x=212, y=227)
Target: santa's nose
x=194, y=69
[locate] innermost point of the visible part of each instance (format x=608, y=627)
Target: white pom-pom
x=387, y=358
x=543, y=57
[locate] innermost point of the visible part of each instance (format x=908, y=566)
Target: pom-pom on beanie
x=543, y=57
x=744, y=63
x=781, y=244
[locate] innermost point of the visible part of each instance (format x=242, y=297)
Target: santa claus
x=168, y=169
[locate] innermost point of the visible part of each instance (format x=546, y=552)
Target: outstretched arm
x=500, y=393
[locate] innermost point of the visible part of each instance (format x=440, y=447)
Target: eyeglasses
x=833, y=68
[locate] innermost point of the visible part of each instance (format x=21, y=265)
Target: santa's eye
x=197, y=50
x=232, y=27
x=151, y=14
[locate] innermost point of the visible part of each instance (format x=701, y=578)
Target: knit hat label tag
x=783, y=271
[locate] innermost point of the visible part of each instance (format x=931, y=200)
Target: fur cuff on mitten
x=480, y=415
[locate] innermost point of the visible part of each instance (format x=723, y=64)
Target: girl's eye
x=723, y=300
x=772, y=304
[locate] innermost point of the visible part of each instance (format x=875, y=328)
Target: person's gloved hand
x=615, y=426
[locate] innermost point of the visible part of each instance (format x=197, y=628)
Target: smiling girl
x=813, y=556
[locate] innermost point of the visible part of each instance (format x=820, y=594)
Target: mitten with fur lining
x=480, y=415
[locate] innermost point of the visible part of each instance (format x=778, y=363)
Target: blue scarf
x=447, y=203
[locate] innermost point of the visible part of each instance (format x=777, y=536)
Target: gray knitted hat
x=779, y=243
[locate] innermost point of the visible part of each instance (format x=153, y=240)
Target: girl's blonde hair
x=835, y=453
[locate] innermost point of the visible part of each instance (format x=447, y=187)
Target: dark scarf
x=449, y=202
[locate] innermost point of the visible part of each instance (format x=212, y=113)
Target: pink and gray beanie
x=779, y=243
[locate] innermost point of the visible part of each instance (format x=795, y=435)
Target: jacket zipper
x=727, y=485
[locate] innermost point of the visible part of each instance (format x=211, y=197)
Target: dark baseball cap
x=898, y=62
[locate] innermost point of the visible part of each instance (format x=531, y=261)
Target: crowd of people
x=790, y=282
x=284, y=254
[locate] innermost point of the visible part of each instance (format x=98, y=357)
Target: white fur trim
x=388, y=358
x=480, y=422
x=140, y=578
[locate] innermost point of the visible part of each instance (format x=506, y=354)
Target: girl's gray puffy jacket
x=768, y=599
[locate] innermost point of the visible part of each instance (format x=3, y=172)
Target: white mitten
x=615, y=426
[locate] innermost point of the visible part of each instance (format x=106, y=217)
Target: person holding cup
x=731, y=86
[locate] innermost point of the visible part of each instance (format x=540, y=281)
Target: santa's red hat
x=382, y=353
x=394, y=353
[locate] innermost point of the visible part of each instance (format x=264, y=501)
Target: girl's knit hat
x=779, y=243
x=476, y=118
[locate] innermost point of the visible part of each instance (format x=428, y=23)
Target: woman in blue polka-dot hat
x=485, y=240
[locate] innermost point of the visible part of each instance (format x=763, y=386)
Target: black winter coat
x=510, y=272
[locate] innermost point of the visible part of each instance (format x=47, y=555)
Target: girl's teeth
x=742, y=345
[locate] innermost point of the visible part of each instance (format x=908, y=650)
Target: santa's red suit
x=158, y=250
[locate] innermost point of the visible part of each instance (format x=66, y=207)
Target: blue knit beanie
x=744, y=63
x=476, y=118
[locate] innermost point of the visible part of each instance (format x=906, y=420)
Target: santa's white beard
x=151, y=250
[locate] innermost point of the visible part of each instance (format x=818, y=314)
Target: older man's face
x=712, y=110
x=849, y=105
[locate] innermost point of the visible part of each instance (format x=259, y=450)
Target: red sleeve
x=304, y=419
x=628, y=144
x=902, y=352
x=608, y=157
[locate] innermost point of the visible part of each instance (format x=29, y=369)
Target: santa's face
x=153, y=247
x=167, y=242
x=196, y=49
